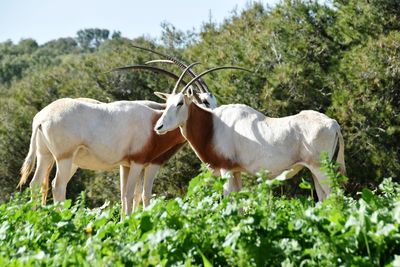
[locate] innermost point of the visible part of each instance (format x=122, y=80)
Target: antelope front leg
x=149, y=175
x=134, y=173
x=123, y=174
x=137, y=198
x=234, y=183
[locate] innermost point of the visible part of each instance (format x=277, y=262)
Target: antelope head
x=176, y=112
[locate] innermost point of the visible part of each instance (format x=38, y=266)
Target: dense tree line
x=341, y=58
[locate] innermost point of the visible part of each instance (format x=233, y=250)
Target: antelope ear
x=162, y=95
x=190, y=96
x=190, y=92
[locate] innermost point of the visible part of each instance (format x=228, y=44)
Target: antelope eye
x=180, y=104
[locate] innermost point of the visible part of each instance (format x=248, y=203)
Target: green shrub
x=250, y=228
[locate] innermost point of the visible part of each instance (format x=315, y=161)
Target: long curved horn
x=182, y=75
x=149, y=68
x=203, y=87
x=159, y=61
x=211, y=70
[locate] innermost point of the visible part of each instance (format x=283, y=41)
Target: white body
x=89, y=134
x=244, y=135
x=235, y=138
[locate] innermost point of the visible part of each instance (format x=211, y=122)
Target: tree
x=89, y=39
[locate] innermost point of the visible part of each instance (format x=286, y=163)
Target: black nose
x=159, y=127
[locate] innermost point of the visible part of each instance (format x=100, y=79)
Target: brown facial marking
x=159, y=148
x=200, y=134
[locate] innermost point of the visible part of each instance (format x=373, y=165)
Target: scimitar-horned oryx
x=235, y=138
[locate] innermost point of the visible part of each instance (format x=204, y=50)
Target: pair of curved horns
x=170, y=59
x=187, y=69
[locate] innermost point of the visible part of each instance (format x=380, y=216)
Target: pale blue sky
x=45, y=20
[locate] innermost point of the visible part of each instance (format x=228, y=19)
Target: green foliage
x=14, y=59
x=92, y=38
x=366, y=102
x=173, y=38
x=250, y=228
x=13, y=119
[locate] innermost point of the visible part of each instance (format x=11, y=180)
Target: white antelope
x=235, y=138
x=98, y=136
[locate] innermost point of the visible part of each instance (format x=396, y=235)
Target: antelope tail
x=29, y=162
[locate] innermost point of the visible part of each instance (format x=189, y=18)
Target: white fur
x=77, y=133
x=256, y=142
x=208, y=100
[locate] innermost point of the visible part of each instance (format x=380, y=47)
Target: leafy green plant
x=249, y=228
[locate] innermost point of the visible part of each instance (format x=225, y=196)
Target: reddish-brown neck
x=159, y=148
x=199, y=131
